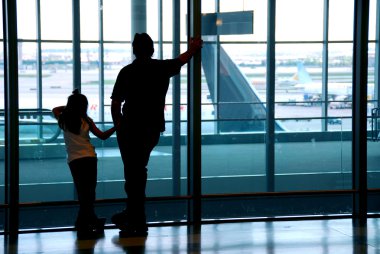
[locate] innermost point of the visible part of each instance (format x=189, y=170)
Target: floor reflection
x=133, y=245
x=339, y=236
x=360, y=236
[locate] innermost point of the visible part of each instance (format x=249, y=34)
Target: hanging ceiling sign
x=227, y=23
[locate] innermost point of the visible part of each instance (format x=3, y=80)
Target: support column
x=138, y=17
x=359, y=113
x=11, y=116
x=194, y=117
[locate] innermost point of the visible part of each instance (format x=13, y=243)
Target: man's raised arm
x=194, y=46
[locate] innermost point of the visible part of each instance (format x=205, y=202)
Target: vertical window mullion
x=76, y=45
x=101, y=63
x=270, y=96
x=39, y=65
x=176, y=119
x=160, y=30
x=325, y=64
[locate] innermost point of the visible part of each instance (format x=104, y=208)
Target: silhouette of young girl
x=82, y=160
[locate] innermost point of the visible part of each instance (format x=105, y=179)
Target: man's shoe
x=120, y=220
x=100, y=224
x=133, y=233
x=90, y=232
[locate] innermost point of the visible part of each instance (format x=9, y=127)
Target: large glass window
x=312, y=96
x=311, y=103
x=46, y=70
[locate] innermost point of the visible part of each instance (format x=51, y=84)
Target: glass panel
x=56, y=20
x=298, y=87
x=373, y=114
x=117, y=23
x=326, y=156
x=26, y=19
x=372, y=72
x=57, y=78
x=340, y=86
x=341, y=13
x=27, y=75
x=161, y=167
x=116, y=56
x=153, y=19
x=373, y=9
x=233, y=112
x=44, y=174
x=89, y=20
x=90, y=78
x=299, y=20
x=1, y=15
x=373, y=122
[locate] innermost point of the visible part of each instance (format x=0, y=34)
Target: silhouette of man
x=142, y=86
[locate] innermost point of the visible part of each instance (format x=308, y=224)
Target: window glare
x=299, y=20
x=89, y=20
x=56, y=19
x=26, y=19
x=117, y=23
x=341, y=13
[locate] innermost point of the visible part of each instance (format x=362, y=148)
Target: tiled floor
x=281, y=237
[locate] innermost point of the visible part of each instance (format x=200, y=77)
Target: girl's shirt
x=79, y=146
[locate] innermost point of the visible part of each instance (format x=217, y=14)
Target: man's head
x=142, y=45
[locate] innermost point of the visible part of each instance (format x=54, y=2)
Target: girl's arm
x=100, y=134
x=57, y=111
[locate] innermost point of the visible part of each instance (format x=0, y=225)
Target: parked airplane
x=312, y=89
x=341, y=92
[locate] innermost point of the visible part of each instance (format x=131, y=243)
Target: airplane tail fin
x=302, y=76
